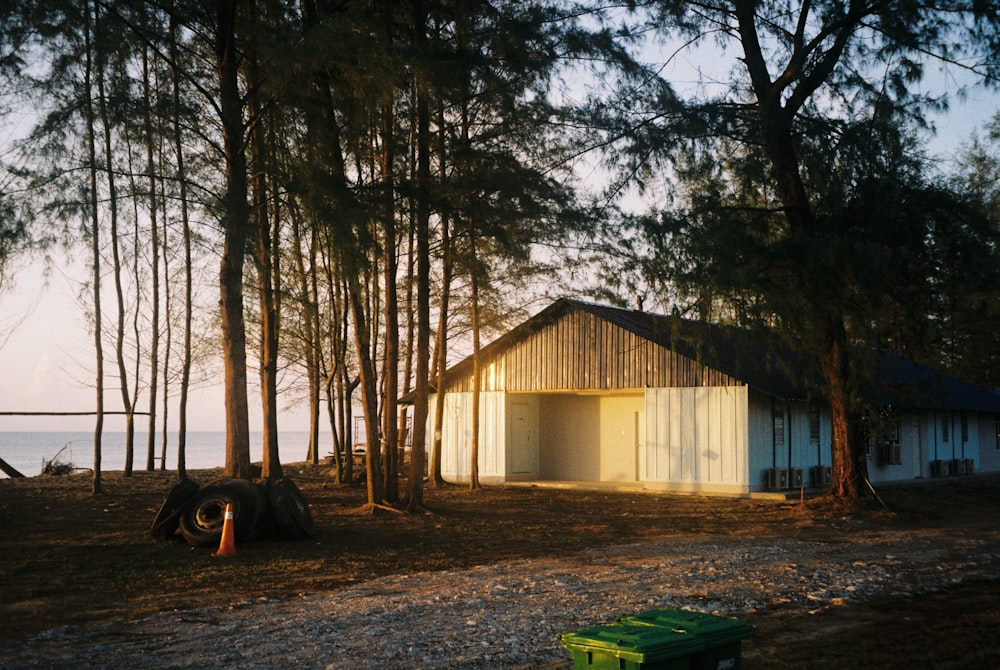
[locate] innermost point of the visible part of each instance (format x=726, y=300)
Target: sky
x=47, y=361
x=46, y=350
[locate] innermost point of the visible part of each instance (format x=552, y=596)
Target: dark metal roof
x=759, y=359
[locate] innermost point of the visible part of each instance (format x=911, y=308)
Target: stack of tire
x=273, y=508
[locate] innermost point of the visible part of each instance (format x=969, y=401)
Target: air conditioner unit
x=777, y=479
x=970, y=466
x=940, y=468
x=958, y=466
x=795, y=478
x=820, y=475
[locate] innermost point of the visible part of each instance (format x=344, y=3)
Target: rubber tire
x=202, y=521
x=291, y=514
x=168, y=517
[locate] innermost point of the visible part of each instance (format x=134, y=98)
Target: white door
x=522, y=440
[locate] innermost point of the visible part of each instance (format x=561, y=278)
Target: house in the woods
x=588, y=393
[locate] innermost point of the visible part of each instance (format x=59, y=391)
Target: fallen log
x=9, y=469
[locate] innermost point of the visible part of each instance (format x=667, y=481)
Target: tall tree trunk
x=235, y=221
x=421, y=386
x=390, y=378
x=441, y=342
x=477, y=375
x=441, y=353
x=168, y=347
x=345, y=385
x=267, y=269
x=186, y=232
x=369, y=389
x=405, y=432
x=323, y=125
x=95, y=242
x=310, y=328
x=850, y=465
x=154, y=352
x=776, y=112
x=127, y=404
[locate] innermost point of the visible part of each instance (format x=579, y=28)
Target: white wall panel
x=696, y=436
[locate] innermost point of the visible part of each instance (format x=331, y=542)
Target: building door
x=523, y=434
x=620, y=425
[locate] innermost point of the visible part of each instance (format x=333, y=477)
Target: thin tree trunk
x=308, y=309
x=441, y=342
x=112, y=203
x=168, y=348
x=154, y=352
x=477, y=374
x=421, y=386
x=345, y=384
x=95, y=242
x=369, y=390
x=405, y=431
x=390, y=429
x=186, y=232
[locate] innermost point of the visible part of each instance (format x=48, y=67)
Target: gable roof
x=755, y=358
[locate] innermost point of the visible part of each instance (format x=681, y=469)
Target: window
x=944, y=429
x=814, y=425
x=778, y=416
x=965, y=427
x=893, y=450
x=892, y=431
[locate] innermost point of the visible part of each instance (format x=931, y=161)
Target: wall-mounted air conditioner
x=777, y=479
x=821, y=475
x=958, y=466
x=795, y=478
x=940, y=468
x=970, y=466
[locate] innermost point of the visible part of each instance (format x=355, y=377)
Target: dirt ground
x=68, y=558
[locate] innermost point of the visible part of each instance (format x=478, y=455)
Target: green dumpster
x=721, y=635
x=623, y=646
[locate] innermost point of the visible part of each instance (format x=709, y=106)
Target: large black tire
x=202, y=520
x=292, y=517
x=168, y=517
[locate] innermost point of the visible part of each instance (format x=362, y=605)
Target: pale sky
x=48, y=363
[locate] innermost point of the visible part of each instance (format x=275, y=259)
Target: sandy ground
x=495, y=576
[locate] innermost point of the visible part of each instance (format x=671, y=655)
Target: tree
x=970, y=292
x=95, y=247
x=801, y=74
x=235, y=224
x=15, y=236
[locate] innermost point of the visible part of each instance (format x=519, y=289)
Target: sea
x=28, y=452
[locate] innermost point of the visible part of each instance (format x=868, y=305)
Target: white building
x=588, y=393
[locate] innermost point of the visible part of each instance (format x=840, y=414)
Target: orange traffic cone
x=227, y=547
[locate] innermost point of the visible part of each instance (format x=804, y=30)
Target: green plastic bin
x=622, y=646
x=722, y=636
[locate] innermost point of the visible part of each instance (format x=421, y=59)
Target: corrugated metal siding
x=697, y=436
x=581, y=351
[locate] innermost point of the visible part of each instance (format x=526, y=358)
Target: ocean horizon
x=27, y=451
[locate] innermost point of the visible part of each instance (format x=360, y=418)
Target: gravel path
x=509, y=615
